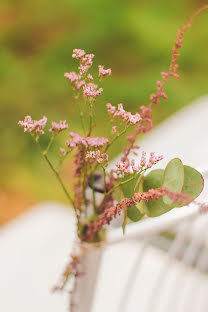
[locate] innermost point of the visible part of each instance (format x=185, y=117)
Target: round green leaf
x=154, y=208
x=173, y=178
x=134, y=214
x=128, y=188
x=193, y=183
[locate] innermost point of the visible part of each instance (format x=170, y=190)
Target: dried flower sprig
x=140, y=193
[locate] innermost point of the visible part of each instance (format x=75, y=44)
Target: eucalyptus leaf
x=128, y=188
x=193, y=183
x=153, y=180
x=133, y=212
x=173, y=178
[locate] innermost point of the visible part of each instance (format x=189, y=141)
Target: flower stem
x=81, y=116
x=104, y=175
x=50, y=143
x=59, y=179
x=93, y=192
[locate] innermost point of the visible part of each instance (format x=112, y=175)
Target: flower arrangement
x=129, y=188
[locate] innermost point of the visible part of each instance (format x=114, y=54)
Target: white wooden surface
x=35, y=247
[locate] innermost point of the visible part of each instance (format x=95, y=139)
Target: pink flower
x=143, y=159
x=91, y=91
x=78, y=54
x=114, y=129
x=80, y=84
x=58, y=127
x=90, y=78
x=104, y=72
x=30, y=125
x=86, y=142
x=100, y=158
x=62, y=151
x=135, y=168
x=72, y=77
x=97, y=141
x=85, y=63
x=153, y=160
x=121, y=113
x=122, y=168
x=111, y=109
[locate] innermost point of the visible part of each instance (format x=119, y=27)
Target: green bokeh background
x=132, y=37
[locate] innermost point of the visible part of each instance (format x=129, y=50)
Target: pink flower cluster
x=85, y=63
x=74, y=79
x=100, y=158
x=144, y=126
x=121, y=113
x=86, y=142
x=78, y=54
x=30, y=125
x=58, y=127
x=91, y=90
x=123, y=167
x=114, y=130
x=153, y=160
x=155, y=97
x=104, y=72
x=85, y=60
x=62, y=151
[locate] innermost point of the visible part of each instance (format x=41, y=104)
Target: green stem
x=119, y=184
x=59, y=179
x=84, y=193
x=104, y=175
x=93, y=192
x=114, y=139
x=49, y=144
x=81, y=116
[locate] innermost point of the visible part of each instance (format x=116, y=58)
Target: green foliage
x=173, y=178
x=134, y=214
x=128, y=190
x=154, y=180
x=193, y=183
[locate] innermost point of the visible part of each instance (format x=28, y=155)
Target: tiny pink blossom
x=122, y=168
x=80, y=84
x=90, y=78
x=153, y=160
x=62, y=151
x=86, y=63
x=91, y=91
x=91, y=142
x=30, y=125
x=114, y=129
x=58, y=127
x=97, y=141
x=100, y=158
x=143, y=159
x=78, y=54
x=121, y=113
x=104, y=72
x=135, y=168
x=72, y=77
x=111, y=109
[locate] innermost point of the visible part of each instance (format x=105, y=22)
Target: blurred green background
x=132, y=37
